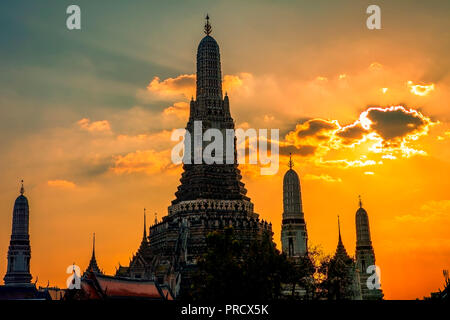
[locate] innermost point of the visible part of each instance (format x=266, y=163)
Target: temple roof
x=24, y=292
x=98, y=286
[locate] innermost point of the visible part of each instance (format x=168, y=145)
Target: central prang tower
x=211, y=196
x=210, y=110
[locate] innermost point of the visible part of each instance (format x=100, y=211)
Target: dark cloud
x=396, y=123
x=315, y=127
x=394, y=126
x=351, y=133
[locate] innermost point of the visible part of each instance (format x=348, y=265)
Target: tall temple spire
x=340, y=250
x=93, y=266
x=208, y=27
x=144, y=242
x=210, y=192
x=221, y=179
x=19, y=252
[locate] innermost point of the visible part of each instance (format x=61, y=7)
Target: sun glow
x=420, y=90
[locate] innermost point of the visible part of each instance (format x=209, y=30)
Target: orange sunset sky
x=86, y=118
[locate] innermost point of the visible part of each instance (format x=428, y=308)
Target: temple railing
x=212, y=205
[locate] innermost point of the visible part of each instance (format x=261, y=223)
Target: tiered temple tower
x=365, y=255
x=210, y=197
x=294, y=237
x=19, y=252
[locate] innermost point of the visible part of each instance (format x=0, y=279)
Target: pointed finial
x=208, y=28
x=360, y=202
x=290, y=163
x=145, y=225
x=93, y=244
x=339, y=229
x=22, y=190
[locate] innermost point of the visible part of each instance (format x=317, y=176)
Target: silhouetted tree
x=442, y=295
x=230, y=270
x=302, y=274
x=335, y=283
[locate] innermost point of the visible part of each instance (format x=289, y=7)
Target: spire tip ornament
x=208, y=27
x=22, y=190
x=290, y=163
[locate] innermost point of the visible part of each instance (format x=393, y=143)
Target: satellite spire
x=360, y=201
x=22, y=190
x=208, y=27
